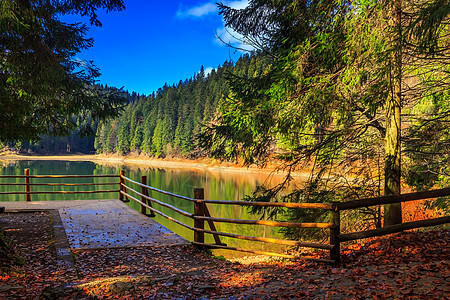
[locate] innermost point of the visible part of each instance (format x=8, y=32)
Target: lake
x=218, y=185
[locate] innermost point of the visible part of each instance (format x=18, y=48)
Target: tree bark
x=393, y=212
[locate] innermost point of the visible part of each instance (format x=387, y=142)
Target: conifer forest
x=162, y=124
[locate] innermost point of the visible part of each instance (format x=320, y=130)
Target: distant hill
x=167, y=122
x=163, y=123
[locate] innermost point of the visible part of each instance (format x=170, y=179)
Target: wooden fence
x=27, y=184
x=360, y=203
x=201, y=215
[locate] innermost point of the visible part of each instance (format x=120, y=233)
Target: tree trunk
x=392, y=171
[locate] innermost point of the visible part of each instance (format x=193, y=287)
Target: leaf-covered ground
x=412, y=265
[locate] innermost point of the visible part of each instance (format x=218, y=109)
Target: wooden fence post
x=334, y=235
x=27, y=184
x=122, y=187
x=144, y=191
x=121, y=183
x=212, y=226
x=199, y=210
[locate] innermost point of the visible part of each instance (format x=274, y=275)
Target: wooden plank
x=328, y=206
x=392, y=229
x=393, y=199
x=122, y=186
x=145, y=199
x=199, y=210
x=212, y=226
x=267, y=223
x=270, y=240
x=334, y=236
x=143, y=190
x=264, y=253
x=27, y=184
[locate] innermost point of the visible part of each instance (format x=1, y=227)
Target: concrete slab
x=91, y=224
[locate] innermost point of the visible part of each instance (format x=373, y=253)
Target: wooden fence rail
x=393, y=199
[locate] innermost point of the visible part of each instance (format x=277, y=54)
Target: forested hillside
x=163, y=123
x=167, y=122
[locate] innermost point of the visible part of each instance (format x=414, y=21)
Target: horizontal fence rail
x=393, y=229
x=267, y=223
x=393, y=199
x=61, y=184
x=327, y=206
x=156, y=190
x=158, y=212
x=59, y=176
x=59, y=192
x=175, y=209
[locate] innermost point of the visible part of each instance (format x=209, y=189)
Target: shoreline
x=172, y=163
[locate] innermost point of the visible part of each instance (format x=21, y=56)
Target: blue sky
x=151, y=43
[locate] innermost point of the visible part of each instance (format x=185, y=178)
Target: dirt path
x=404, y=266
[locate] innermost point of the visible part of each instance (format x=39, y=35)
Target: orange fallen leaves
x=409, y=265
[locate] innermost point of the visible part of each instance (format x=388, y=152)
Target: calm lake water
x=217, y=185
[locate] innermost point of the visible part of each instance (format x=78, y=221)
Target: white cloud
x=237, y=4
x=208, y=70
x=224, y=36
x=228, y=37
x=209, y=8
x=198, y=11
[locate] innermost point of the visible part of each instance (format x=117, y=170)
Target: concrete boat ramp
x=94, y=224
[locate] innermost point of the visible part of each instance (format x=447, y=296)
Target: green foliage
x=42, y=85
x=322, y=101
x=428, y=147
